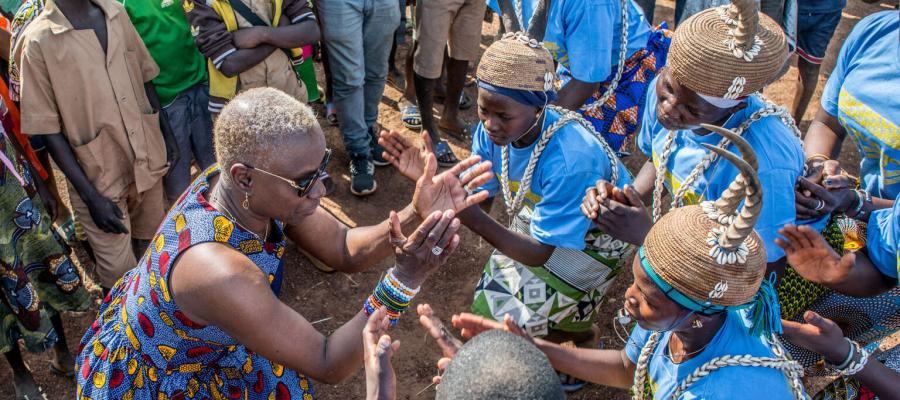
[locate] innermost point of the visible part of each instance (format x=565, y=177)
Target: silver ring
x=821, y=205
x=436, y=250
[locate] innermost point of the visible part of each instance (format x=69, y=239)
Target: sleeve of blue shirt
x=648, y=121
x=483, y=147
x=883, y=237
x=582, y=48
x=557, y=219
x=778, y=208
x=636, y=342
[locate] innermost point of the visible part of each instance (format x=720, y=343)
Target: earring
x=697, y=324
x=246, y=202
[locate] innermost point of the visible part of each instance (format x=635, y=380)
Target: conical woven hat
x=728, y=51
x=710, y=252
x=516, y=62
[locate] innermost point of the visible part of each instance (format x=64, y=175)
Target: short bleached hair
x=252, y=126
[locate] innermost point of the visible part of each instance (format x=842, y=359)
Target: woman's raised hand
x=429, y=246
x=811, y=256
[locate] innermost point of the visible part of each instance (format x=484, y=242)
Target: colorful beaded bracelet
x=392, y=295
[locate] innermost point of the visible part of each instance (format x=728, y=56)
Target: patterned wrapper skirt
x=619, y=118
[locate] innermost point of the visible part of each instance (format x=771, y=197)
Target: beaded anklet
x=391, y=294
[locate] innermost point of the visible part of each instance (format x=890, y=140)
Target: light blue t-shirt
x=778, y=152
x=883, y=240
x=584, y=35
x=573, y=161
x=731, y=383
x=862, y=94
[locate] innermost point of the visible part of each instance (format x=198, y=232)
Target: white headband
x=720, y=102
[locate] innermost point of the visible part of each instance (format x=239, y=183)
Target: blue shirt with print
x=778, y=152
x=584, y=35
x=572, y=161
x=862, y=94
x=735, y=382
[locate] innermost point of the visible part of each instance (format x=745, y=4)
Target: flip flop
x=68, y=229
x=444, y=154
x=409, y=114
x=570, y=384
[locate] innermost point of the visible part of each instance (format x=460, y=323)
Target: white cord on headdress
x=620, y=68
x=769, y=109
x=514, y=205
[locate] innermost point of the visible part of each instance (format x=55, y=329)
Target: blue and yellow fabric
x=142, y=346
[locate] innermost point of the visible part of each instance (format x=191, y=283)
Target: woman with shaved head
x=200, y=317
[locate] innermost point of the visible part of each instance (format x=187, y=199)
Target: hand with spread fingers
x=618, y=212
x=429, y=246
x=381, y=381
x=814, y=201
x=811, y=256
x=448, y=343
x=453, y=188
x=403, y=155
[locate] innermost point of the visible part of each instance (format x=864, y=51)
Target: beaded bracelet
x=391, y=294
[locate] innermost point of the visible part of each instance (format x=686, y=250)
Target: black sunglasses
x=303, y=185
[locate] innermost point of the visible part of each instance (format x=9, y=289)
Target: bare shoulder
x=203, y=274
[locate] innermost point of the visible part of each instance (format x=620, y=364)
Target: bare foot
x=455, y=127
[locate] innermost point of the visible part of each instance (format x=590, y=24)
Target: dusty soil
x=332, y=299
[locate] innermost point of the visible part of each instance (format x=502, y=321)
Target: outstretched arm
x=522, y=248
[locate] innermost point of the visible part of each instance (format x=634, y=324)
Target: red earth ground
x=332, y=299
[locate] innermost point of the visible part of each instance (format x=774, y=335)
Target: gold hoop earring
x=246, y=202
x=697, y=324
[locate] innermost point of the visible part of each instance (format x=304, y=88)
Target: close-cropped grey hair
x=252, y=126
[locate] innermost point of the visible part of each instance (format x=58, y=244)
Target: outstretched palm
x=400, y=152
x=452, y=189
x=811, y=256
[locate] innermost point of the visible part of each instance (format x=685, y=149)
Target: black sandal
x=444, y=154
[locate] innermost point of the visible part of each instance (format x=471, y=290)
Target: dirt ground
x=332, y=299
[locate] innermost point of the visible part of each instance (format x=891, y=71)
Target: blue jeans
x=189, y=118
x=358, y=35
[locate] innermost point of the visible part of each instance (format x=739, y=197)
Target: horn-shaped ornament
x=742, y=226
x=727, y=204
x=746, y=13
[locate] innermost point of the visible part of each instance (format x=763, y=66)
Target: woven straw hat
x=728, y=51
x=517, y=62
x=710, y=252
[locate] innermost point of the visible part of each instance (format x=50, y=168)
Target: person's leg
x=112, y=252
x=179, y=175
x=62, y=360
x=380, y=21
x=808, y=79
x=435, y=20
x=464, y=45
x=201, y=127
x=342, y=31
x=814, y=31
x=146, y=212
x=23, y=381
x=649, y=7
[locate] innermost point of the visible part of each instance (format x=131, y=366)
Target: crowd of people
x=186, y=136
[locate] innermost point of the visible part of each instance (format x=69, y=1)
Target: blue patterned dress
x=142, y=346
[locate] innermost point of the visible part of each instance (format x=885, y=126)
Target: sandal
x=444, y=154
x=331, y=114
x=409, y=114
